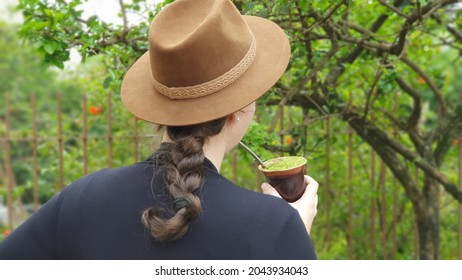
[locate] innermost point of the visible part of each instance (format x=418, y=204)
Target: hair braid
x=181, y=164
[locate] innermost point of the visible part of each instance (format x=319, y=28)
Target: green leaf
x=263, y=13
x=38, y=44
x=304, y=4
x=32, y=26
x=50, y=46
x=93, y=19
x=248, y=8
x=58, y=63
x=112, y=74
x=107, y=82
x=285, y=8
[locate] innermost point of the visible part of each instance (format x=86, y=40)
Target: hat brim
x=273, y=53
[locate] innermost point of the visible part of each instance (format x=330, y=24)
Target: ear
x=231, y=122
x=232, y=118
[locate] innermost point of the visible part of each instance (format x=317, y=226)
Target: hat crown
x=205, y=61
x=194, y=42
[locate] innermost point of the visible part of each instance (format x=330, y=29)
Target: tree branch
x=415, y=116
x=385, y=47
x=124, y=17
x=393, y=8
x=314, y=70
x=374, y=137
x=353, y=55
x=378, y=74
x=412, y=123
x=450, y=129
x=442, y=111
x=420, y=14
x=457, y=35
x=381, y=143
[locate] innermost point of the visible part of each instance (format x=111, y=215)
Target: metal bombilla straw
x=253, y=154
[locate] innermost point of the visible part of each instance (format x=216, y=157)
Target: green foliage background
x=50, y=30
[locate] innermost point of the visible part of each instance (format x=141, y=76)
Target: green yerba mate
x=284, y=163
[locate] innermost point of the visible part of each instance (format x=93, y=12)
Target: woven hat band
x=214, y=85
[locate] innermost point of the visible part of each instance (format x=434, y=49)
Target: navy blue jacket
x=99, y=217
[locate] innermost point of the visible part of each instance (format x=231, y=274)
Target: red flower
x=288, y=140
x=95, y=110
x=6, y=232
x=421, y=80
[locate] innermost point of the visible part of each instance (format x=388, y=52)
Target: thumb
x=268, y=189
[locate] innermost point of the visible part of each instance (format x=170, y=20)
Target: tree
x=397, y=39
x=388, y=69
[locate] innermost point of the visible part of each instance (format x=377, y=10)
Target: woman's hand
x=306, y=205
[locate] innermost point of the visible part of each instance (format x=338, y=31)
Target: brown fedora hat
x=205, y=61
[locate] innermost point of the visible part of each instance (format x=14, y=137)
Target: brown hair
x=180, y=162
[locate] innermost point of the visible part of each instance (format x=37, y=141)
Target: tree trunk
x=425, y=201
x=427, y=219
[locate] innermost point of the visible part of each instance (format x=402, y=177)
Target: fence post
x=84, y=135
x=416, y=233
x=9, y=173
x=60, y=142
x=350, y=188
x=395, y=194
x=372, y=242
x=109, y=127
x=281, y=129
x=459, y=208
x=383, y=212
x=459, y=228
x=135, y=137
x=327, y=192
x=34, y=151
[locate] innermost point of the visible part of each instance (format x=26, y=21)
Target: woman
x=205, y=68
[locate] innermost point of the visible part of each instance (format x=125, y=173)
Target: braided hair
x=180, y=162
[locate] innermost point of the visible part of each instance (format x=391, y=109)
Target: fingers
x=312, y=185
x=311, y=189
x=268, y=189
